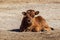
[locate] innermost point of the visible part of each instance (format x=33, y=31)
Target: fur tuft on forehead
x=30, y=10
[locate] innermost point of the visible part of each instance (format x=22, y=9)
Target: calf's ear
x=24, y=13
x=37, y=12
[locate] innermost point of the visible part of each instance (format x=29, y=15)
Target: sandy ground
x=8, y=35
x=29, y=1
x=11, y=17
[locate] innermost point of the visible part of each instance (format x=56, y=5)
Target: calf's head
x=29, y=14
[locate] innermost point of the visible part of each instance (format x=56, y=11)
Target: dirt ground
x=11, y=17
x=7, y=35
x=29, y=1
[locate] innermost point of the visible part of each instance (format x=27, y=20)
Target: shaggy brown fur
x=39, y=24
x=33, y=23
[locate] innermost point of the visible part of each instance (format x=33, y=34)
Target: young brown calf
x=32, y=23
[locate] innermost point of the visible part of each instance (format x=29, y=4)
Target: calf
x=32, y=23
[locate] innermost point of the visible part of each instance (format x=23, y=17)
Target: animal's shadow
x=15, y=30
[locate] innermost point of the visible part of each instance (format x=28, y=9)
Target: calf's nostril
x=28, y=20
